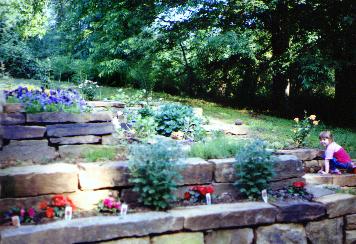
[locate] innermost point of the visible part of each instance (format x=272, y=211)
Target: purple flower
x=31, y=212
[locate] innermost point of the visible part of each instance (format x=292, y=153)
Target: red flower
x=187, y=196
x=299, y=184
x=50, y=212
x=43, y=205
x=58, y=201
x=70, y=202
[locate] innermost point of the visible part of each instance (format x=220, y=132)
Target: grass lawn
x=276, y=131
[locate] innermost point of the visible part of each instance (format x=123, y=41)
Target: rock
x=299, y=211
x=59, y=130
x=205, y=217
x=350, y=237
x=129, y=196
x=287, y=166
x=103, y=175
x=15, y=132
x=179, y=238
x=75, y=140
x=106, y=104
x=198, y=112
x=351, y=222
x=302, y=154
x=196, y=171
x=338, y=204
x=110, y=140
x=242, y=236
x=222, y=189
x=325, y=231
x=93, y=229
x=142, y=240
x=236, y=130
x=13, y=108
x=281, y=233
x=224, y=170
x=238, y=122
x=62, y=117
x=318, y=190
x=12, y=119
x=313, y=166
x=35, y=150
x=41, y=179
x=316, y=179
x=344, y=180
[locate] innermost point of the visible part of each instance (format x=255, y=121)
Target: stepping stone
x=339, y=180
x=318, y=190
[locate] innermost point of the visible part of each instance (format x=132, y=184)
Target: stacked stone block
x=40, y=137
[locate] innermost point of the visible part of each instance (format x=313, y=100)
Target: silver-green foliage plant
x=155, y=170
x=254, y=168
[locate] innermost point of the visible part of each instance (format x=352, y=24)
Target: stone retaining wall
x=330, y=219
x=93, y=180
x=41, y=137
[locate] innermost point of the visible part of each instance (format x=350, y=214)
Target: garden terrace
x=43, y=137
x=100, y=178
x=329, y=219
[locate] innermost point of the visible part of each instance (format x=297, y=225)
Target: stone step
x=339, y=180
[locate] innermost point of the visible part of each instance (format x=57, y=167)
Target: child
x=335, y=156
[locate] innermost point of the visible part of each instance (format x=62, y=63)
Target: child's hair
x=326, y=134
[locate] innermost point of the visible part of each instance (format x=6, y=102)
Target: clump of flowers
x=25, y=215
x=297, y=188
x=36, y=101
x=303, y=128
x=198, y=193
x=110, y=205
x=56, y=206
x=89, y=89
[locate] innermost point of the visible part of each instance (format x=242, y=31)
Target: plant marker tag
x=264, y=195
x=68, y=213
x=15, y=221
x=208, y=199
x=123, y=210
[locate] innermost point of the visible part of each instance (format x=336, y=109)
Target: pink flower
x=108, y=202
x=31, y=212
x=22, y=212
x=117, y=205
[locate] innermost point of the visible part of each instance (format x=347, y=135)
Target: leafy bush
x=144, y=127
x=154, y=170
x=217, y=147
x=302, y=129
x=89, y=89
x=254, y=169
x=175, y=117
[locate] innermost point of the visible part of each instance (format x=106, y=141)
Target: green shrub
x=302, y=129
x=217, y=147
x=175, y=117
x=254, y=169
x=144, y=126
x=154, y=170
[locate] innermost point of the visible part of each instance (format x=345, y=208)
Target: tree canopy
x=279, y=56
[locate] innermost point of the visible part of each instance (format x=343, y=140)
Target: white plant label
x=208, y=199
x=15, y=221
x=264, y=195
x=123, y=210
x=68, y=212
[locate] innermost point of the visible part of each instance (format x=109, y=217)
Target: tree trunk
x=280, y=44
x=345, y=94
